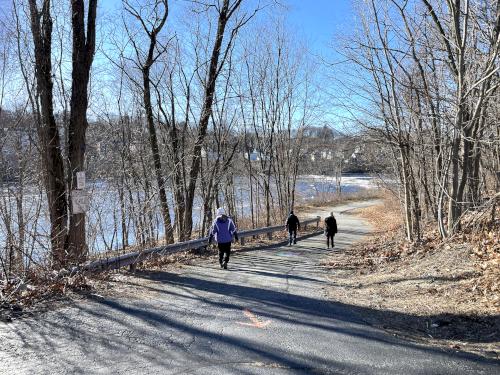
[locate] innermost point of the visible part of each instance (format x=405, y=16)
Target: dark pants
x=293, y=235
x=224, y=249
x=329, y=237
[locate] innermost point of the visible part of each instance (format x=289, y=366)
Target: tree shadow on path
x=317, y=309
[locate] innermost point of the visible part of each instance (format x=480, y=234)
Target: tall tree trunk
x=250, y=180
x=83, y=55
x=153, y=27
x=153, y=140
x=177, y=166
x=406, y=192
x=123, y=213
x=41, y=28
x=453, y=204
x=225, y=13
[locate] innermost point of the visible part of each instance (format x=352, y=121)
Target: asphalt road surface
x=266, y=314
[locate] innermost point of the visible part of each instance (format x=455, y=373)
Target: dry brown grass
x=423, y=285
x=383, y=217
x=40, y=288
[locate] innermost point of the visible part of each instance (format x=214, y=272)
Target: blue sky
x=320, y=23
x=320, y=20
x=317, y=20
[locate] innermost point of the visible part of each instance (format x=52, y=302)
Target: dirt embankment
x=445, y=293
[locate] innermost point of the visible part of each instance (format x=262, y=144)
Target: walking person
x=292, y=225
x=224, y=230
x=330, y=229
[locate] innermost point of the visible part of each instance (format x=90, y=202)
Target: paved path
x=265, y=315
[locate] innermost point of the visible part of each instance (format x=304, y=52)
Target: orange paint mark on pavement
x=255, y=322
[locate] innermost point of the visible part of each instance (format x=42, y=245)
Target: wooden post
x=132, y=267
x=242, y=241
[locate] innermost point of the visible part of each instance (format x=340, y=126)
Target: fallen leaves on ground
x=37, y=288
x=447, y=291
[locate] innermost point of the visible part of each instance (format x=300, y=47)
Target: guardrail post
x=242, y=241
x=270, y=235
x=133, y=267
x=305, y=226
x=317, y=222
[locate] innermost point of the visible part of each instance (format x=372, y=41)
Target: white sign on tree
x=79, y=201
x=80, y=180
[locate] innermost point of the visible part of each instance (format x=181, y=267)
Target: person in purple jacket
x=223, y=229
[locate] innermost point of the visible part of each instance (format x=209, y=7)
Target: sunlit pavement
x=266, y=314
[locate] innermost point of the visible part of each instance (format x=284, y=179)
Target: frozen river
x=104, y=218
x=308, y=187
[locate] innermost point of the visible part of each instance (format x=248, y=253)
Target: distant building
x=255, y=156
x=357, y=153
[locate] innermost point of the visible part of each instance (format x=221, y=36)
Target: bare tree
x=434, y=75
x=41, y=28
x=68, y=242
x=226, y=9
x=84, y=36
x=152, y=25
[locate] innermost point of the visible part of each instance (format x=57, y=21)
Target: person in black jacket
x=330, y=229
x=292, y=225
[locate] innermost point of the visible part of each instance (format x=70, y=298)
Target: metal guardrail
x=270, y=230
x=131, y=259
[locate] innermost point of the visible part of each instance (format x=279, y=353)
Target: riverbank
x=323, y=202
x=43, y=288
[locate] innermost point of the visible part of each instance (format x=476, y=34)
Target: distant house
x=255, y=156
x=357, y=153
x=316, y=156
x=326, y=155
